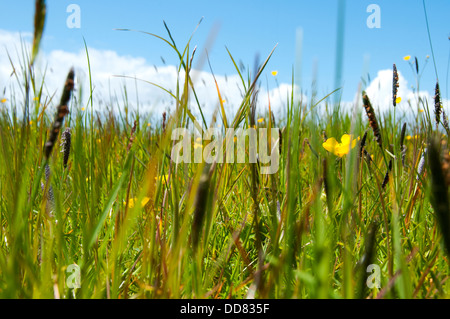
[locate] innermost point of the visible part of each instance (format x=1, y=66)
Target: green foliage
x=140, y=226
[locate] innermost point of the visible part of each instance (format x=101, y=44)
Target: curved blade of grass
x=237, y=68
x=111, y=200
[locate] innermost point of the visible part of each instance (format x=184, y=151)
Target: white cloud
x=107, y=65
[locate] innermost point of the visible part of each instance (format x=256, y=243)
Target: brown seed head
x=372, y=118
x=394, y=86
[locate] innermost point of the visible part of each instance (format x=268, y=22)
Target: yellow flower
x=406, y=58
x=274, y=73
x=83, y=108
x=409, y=137
x=260, y=120
x=31, y=122
x=148, y=124
x=36, y=98
x=197, y=145
x=340, y=149
x=162, y=177
x=398, y=100
x=144, y=201
x=3, y=100
x=420, y=110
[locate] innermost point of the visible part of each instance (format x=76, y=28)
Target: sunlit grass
x=140, y=226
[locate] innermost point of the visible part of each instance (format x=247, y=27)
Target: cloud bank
x=108, y=69
x=111, y=73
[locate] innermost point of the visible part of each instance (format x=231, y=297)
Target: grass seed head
x=131, y=139
x=372, y=118
x=61, y=112
x=362, y=144
x=445, y=122
x=402, y=134
x=395, y=86
x=65, y=145
x=403, y=146
x=164, y=121
x=386, y=177
x=368, y=157
x=200, y=205
x=421, y=165
x=437, y=104
x=50, y=196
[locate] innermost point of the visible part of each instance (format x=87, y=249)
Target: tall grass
x=140, y=226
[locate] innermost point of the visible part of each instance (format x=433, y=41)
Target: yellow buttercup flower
x=409, y=137
x=406, y=58
x=3, y=100
x=340, y=149
x=198, y=145
x=162, y=177
x=398, y=100
x=260, y=120
x=144, y=201
x=274, y=73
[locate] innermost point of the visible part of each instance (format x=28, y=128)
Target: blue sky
x=251, y=27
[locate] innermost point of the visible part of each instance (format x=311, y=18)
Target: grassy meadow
x=101, y=191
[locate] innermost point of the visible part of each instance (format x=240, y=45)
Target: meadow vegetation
x=354, y=188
